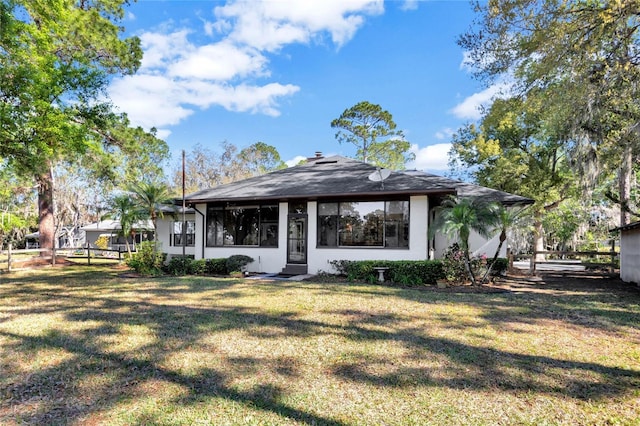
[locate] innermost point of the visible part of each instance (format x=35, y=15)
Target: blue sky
x=279, y=71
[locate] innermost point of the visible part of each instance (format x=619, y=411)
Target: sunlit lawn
x=81, y=345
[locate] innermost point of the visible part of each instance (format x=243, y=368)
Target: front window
x=189, y=236
x=242, y=225
x=363, y=224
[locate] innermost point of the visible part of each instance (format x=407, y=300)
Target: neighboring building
x=299, y=219
x=67, y=237
x=630, y=252
x=111, y=229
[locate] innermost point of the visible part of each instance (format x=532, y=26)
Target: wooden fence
x=13, y=258
x=565, y=258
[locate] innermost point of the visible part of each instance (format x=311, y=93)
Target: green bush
x=179, y=265
x=405, y=272
x=500, y=266
x=236, y=262
x=198, y=267
x=147, y=260
x=216, y=266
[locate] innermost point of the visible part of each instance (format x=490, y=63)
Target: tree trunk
x=624, y=183
x=503, y=237
x=46, y=222
x=538, y=239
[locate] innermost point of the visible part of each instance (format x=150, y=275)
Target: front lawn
x=82, y=345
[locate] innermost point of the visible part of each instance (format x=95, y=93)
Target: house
x=68, y=236
x=111, y=229
x=630, y=252
x=169, y=231
x=299, y=219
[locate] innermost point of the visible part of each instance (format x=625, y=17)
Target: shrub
x=500, y=266
x=147, y=260
x=179, y=265
x=405, y=272
x=216, y=266
x=102, y=242
x=237, y=262
x=198, y=267
x=453, y=264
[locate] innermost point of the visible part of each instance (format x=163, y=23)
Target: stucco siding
x=165, y=226
x=630, y=255
x=319, y=257
x=265, y=259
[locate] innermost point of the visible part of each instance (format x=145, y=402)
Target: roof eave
x=323, y=195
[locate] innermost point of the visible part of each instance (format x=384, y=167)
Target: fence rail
x=13, y=257
x=566, y=257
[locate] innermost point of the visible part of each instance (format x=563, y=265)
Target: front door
x=297, y=239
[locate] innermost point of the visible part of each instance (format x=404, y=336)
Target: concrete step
x=294, y=269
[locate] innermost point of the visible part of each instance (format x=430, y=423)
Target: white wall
x=266, y=259
x=319, y=258
x=165, y=227
x=630, y=256
x=273, y=259
x=477, y=245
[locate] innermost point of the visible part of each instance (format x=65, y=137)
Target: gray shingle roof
x=465, y=189
x=335, y=177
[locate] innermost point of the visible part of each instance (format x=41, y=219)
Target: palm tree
x=503, y=219
x=458, y=217
x=151, y=197
x=125, y=210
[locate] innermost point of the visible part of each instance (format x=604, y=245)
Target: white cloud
x=409, y=5
x=271, y=24
x=163, y=133
x=219, y=61
x=471, y=107
x=444, y=133
x=432, y=157
x=295, y=160
x=150, y=100
x=178, y=76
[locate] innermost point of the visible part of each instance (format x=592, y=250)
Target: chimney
x=318, y=156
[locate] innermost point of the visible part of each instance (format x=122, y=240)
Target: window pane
x=298, y=207
x=397, y=224
x=328, y=231
x=214, y=226
x=241, y=226
x=328, y=209
x=361, y=224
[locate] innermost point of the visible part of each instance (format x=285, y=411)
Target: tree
x=517, y=148
x=585, y=56
x=124, y=209
x=260, y=158
x=458, y=217
x=373, y=131
x=55, y=61
x=150, y=198
x=205, y=168
x=502, y=219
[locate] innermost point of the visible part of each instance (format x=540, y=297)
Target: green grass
x=80, y=345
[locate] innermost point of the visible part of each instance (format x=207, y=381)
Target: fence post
x=9, y=258
x=53, y=256
x=119, y=255
x=613, y=256
x=88, y=254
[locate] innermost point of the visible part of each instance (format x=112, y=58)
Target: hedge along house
x=297, y=220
